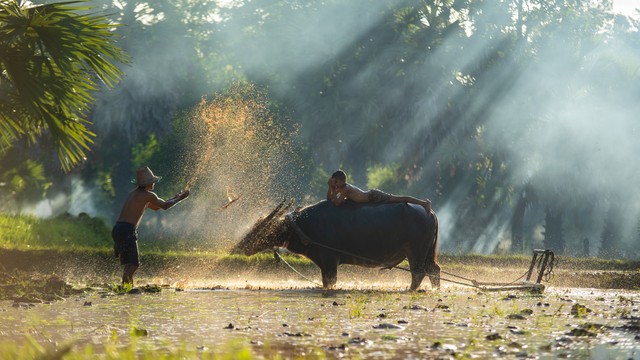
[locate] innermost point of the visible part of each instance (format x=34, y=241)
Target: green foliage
x=169, y=155
x=121, y=288
x=52, y=58
x=63, y=232
x=26, y=176
x=318, y=184
x=143, y=152
x=384, y=177
x=104, y=181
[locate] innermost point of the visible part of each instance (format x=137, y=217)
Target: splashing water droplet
x=241, y=160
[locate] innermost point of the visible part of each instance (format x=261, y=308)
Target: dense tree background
x=517, y=118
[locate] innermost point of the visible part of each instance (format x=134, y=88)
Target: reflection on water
x=562, y=322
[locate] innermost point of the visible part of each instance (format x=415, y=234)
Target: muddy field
x=452, y=322
x=271, y=311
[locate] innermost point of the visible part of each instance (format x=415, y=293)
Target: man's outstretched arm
x=158, y=203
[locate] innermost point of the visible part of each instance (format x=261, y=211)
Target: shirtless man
x=125, y=231
x=340, y=190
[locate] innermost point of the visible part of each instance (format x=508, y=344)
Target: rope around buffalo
x=277, y=253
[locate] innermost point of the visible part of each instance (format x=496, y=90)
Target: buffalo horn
x=265, y=222
x=274, y=212
x=284, y=209
x=277, y=212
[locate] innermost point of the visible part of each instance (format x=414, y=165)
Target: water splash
x=241, y=158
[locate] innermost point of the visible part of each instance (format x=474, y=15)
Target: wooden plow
x=542, y=264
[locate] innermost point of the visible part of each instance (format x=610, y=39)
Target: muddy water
x=348, y=323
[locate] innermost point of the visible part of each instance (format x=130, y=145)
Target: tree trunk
x=517, y=229
x=611, y=235
x=553, y=236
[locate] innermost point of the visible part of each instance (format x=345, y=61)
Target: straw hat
x=144, y=176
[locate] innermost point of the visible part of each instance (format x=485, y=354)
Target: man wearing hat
x=125, y=231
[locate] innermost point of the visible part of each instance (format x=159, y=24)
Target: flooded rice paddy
x=452, y=322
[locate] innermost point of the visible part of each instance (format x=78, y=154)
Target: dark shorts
x=377, y=196
x=125, y=243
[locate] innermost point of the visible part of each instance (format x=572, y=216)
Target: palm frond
x=53, y=58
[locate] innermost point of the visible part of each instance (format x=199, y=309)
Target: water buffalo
x=371, y=235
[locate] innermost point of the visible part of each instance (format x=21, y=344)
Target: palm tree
x=52, y=58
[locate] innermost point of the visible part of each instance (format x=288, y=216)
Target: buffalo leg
x=329, y=276
x=434, y=276
x=416, y=279
x=418, y=272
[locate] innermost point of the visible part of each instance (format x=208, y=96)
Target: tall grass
x=63, y=232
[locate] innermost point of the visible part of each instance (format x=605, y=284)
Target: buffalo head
x=265, y=234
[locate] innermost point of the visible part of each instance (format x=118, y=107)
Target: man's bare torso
x=354, y=193
x=136, y=203
x=348, y=191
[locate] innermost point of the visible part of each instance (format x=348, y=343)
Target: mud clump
x=579, y=310
x=26, y=287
